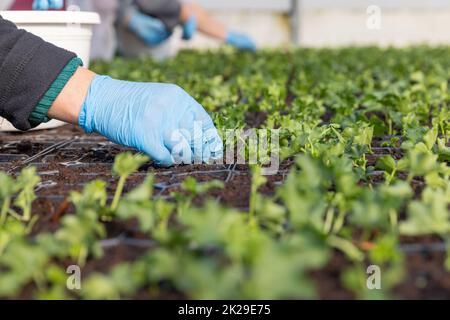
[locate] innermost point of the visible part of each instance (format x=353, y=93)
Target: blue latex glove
x=47, y=4
x=150, y=30
x=190, y=28
x=240, y=41
x=161, y=120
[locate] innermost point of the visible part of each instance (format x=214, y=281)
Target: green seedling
x=27, y=181
x=138, y=204
x=7, y=190
x=391, y=167
x=191, y=189
x=125, y=164
x=79, y=233
x=337, y=110
x=23, y=190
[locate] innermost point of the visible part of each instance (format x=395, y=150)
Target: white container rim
x=51, y=17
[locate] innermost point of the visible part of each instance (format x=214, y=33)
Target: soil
x=67, y=159
x=255, y=119
x=425, y=277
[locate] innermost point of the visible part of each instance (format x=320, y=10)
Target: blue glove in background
x=190, y=28
x=161, y=120
x=47, y=4
x=240, y=41
x=150, y=30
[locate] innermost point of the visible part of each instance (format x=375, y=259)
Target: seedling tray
x=67, y=159
x=355, y=124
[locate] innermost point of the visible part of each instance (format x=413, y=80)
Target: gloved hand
x=150, y=30
x=47, y=4
x=190, y=28
x=161, y=120
x=240, y=41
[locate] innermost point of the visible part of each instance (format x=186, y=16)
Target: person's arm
x=67, y=106
x=173, y=13
x=205, y=22
x=193, y=18
x=168, y=11
x=149, y=29
x=159, y=119
x=39, y=81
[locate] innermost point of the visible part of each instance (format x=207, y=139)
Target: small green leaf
x=430, y=138
x=126, y=163
x=387, y=163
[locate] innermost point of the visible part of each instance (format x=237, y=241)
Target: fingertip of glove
x=163, y=158
x=189, y=28
x=165, y=163
x=40, y=5
x=56, y=4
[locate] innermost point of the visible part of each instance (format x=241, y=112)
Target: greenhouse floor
x=67, y=159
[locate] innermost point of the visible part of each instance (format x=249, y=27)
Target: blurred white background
x=319, y=23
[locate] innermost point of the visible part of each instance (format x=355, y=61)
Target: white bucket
x=71, y=30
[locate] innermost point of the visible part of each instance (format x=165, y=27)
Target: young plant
x=138, y=204
x=79, y=234
x=195, y=188
x=27, y=181
x=23, y=189
x=429, y=216
x=7, y=190
x=191, y=189
x=125, y=164
x=443, y=150
x=22, y=263
x=391, y=167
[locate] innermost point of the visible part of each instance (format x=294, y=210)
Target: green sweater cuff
x=39, y=114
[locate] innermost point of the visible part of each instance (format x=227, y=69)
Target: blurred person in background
x=144, y=27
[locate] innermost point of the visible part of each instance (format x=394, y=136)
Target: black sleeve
x=28, y=67
x=168, y=11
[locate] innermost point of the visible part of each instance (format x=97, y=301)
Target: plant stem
x=118, y=193
x=251, y=211
x=31, y=224
x=82, y=256
x=390, y=130
x=393, y=218
x=15, y=215
x=364, y=163
x=27, y=214
x=391, y=177
x=339, y=222
x=347, y=247
x=312, y=146
x=4, y=211
x=328, y=220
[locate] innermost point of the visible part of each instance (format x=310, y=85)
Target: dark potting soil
x=255, y=119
